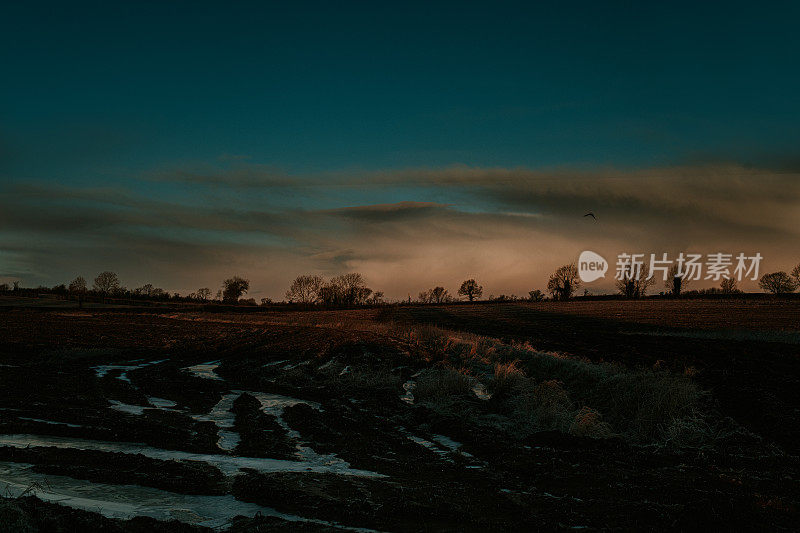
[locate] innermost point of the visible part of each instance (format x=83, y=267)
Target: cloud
x=507, y=227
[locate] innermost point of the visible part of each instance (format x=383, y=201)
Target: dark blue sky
x=279, y=107
x=320, y=86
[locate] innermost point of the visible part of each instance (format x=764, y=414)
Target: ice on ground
x=52, y=422
x=126, y=407
x=227, y=464
x=271, y=404
x=100, y=371
x=449, y=443
x=205, y=370
x=161, y=403
x=127, y=501
x=224, y=418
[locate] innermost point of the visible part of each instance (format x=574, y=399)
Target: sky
x=181, y=143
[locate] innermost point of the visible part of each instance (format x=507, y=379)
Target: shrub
x=588, y=423
x=439, y=383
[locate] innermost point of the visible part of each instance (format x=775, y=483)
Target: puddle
x=205, y=370
x=127, y=501
x=228, y=464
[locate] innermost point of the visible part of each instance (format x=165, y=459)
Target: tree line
x=565, y=282
x=351, y=289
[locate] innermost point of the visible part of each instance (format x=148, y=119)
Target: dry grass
x=438, y=383
x=543, y=391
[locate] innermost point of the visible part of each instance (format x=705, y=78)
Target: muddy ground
x=183, y=422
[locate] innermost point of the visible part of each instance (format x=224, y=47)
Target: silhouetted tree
x=144, y=290
x=305, y=289
x=106, y=283
x=77, y=286
x=425, y=297
x=4, y=287
x=536, y=295
x=439, y=294
x=777, y=283
x=233, y=288
x=377, y=298
x=796, y=274
x=728, y=286
x=203, y=294
x=266, y=301
x=564, y=282
x=634, y=282
x=347, y=289
x=676, y=282
x=470, y=289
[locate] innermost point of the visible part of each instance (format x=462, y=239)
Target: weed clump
x=538, y=390
x=440, y=383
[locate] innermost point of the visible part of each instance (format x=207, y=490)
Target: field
x=598, y=415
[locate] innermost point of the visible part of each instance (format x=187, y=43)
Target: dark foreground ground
x=665, y=415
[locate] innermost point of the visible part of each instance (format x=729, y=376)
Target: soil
x=367, y=459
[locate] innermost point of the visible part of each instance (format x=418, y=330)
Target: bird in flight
x=590, y=214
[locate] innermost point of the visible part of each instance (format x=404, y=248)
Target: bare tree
x=634, y=282
x=470, y=289
x=305, y=289
x=439, y=294
x=77, y=286
x=233, y=288
x=564, y=282
x=106, y=283
x=203, y=294
x=676, y=281
x=144, y=290
x=347, y=289
x=777, y=283
x=728, y=286
x=377, y=298
x=425, y=297
x=536, y=295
